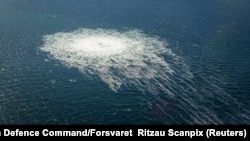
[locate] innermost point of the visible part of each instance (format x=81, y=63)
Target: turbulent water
x=133, y=59
x=118, y=58
x=89, y=62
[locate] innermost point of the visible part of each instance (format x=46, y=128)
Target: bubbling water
x=118, y=58
x=135, y=60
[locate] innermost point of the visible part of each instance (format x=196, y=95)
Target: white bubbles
x=119, y=58
x=99, y=46
x=132, y=59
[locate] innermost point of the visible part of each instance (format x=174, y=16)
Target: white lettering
x=17, y=132
x=190, y=134
x=213, y=132
x=146, y=132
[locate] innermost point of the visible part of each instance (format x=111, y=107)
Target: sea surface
x=176, y=62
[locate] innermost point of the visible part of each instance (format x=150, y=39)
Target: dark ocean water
x=211, y=83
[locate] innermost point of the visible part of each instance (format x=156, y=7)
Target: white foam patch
x=118, y=58
x=135, y=60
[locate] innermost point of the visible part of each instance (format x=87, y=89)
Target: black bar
x=239, y=132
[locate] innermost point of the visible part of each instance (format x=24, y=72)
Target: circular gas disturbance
x=134, y=59
x=118, y=58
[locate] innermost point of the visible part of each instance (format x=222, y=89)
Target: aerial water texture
x=124, y=62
